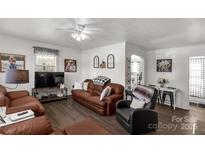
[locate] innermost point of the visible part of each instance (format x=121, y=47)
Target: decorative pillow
x=109, y=91
x=105, y=92
x=137, y=104
x=85, y=86
x=141, y=97
x=78, y=85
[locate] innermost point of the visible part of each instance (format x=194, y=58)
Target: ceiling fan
x=80, y=31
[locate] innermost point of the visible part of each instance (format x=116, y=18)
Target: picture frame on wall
x=96, y=62
x=164, y=65
x=70, y=65
x=11, y=61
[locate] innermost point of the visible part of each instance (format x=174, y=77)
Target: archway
x=137, y=70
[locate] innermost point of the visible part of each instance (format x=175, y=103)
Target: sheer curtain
x=45, y=59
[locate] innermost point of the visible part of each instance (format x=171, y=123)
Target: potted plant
x=162, y=82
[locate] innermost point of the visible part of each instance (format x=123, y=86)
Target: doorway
x=137, y=70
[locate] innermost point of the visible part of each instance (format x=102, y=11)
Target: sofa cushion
x=95, y=100
x=125, y=113
x=22, y=101
x=80, y=93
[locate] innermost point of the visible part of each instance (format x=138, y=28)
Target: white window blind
x=45, y=59
x=197, y=77
x=135, y=67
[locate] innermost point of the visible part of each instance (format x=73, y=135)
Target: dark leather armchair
x=138, y=121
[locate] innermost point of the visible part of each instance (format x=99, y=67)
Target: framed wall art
x=70, y=65
x=11, y=61
x=164, y=65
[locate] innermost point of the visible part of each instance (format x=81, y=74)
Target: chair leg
x=163, y=98
x=172, y=100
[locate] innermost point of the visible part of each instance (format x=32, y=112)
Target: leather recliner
x=91, y=97
x=138, y=121
x=17, y=101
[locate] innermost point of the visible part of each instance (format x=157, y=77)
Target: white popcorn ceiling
x=149, y=33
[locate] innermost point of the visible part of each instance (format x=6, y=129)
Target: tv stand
x=49, y=94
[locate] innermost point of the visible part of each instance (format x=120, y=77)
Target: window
x=135, y=67
x=45, y=59
x=197, y=77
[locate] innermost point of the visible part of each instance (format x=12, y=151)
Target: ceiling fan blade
x=93, y=29
x=85, y=21
x=66, y=29
x=88, y=32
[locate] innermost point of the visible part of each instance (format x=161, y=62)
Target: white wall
x=179, y=77
x=117, y=74
x=25, y=47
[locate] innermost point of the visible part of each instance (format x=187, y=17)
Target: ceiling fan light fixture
x=79, y=36
x=74, y=35
x=83, y=36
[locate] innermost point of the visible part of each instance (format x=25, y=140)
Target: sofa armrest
x=143, y=120
x=36, y=126
x=17, y=94
x=32, y=105
x=113, y=98
x=123, y=103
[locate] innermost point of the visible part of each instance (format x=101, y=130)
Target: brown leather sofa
x=42, y=126
x=91, y=97
x=16, y=101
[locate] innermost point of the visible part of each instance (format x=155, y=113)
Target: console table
x=162, y=90
x=49, y=94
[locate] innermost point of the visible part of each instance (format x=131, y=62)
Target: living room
x=102, y=76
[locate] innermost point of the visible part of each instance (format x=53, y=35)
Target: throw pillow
x=85, y=86
x=105, y=93
x=109, y=90
x=78, y=85
x=137, y=104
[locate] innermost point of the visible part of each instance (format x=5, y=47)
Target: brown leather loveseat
x=16, y=101
x=91, y=97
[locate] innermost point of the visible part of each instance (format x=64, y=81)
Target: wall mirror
x=96, y=62
x=110, y=61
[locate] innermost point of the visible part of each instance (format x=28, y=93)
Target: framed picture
x=164, y=65
x=96, y=62
x=110, y=61
x=11, y=61
x=70, y=65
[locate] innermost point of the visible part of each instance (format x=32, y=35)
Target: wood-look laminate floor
x=171, y=122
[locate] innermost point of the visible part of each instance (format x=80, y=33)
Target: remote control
x=22, y=113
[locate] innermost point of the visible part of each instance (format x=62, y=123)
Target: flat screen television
x=48, y=79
